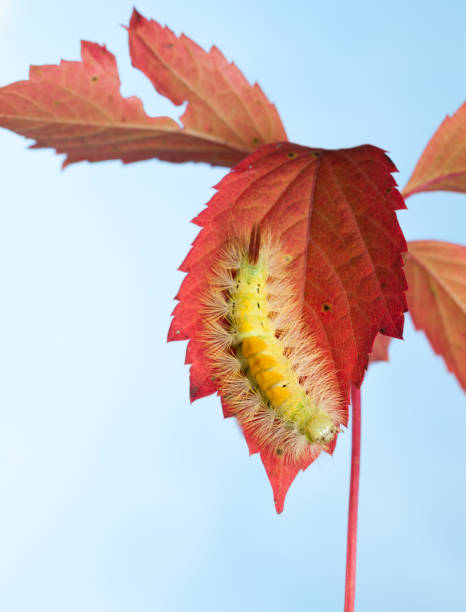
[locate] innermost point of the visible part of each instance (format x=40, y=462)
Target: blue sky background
x=116, y=494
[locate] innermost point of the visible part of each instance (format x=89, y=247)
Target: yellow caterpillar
x=269, y=371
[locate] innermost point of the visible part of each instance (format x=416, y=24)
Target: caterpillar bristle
x=254, y=244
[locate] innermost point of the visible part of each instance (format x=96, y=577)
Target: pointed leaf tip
x=442, y=165
x=136, y=17
x=281, y=474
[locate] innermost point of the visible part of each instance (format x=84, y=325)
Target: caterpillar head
x=321, y=429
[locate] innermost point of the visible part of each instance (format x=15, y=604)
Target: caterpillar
x=269, y=370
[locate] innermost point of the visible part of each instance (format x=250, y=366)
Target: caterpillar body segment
x=269, y=371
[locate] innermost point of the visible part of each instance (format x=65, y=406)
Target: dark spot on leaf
x=291, y=154
x=279, y=451
x=316, y=153
x=255, y=140
x=388, y=189
x=326, y=307
x=94, y=78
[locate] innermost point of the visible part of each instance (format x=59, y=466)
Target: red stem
x=350, y=586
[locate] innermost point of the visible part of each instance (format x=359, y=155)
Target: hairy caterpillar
x=269, y=371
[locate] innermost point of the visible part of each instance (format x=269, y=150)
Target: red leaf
x=77, y=109
x=334, y=214
x=380, y=348
x=223, y=106
x=442, y=166
x=436, y=273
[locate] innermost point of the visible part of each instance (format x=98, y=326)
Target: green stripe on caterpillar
x=270, y=372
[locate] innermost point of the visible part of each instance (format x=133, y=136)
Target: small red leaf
x=334, y=214
x=77, y=109
x=222, y=105
x=442, y=166
x=436, y=273
x=380, y=348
